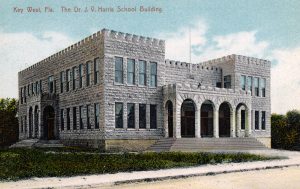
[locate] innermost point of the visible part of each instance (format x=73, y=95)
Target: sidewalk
x=111, y=179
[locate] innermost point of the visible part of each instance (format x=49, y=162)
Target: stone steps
x=31, y=143
x=206, y=144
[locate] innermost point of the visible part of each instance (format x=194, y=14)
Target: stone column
x=232, y=124
x=147, y=116
x=248, y=123
x=177, y=121
x=216, y=122
x=166, y=126
x=136, y=115
x=33, y=123
x=125, y=115
x=197, y=122
x=238, y=124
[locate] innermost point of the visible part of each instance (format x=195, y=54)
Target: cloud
x=285, y=81
x=20, y=50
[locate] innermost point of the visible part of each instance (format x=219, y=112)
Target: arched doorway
x=207, y=123
x=188, y=119
x=169, y=107
x=242, y=118
x=49, y=117
x=30, y=120
x=224, y=120
x=36, y=121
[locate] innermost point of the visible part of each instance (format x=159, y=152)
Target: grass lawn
x=25, y=163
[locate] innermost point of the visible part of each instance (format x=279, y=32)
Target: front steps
x=32, y=143
x=206, y=144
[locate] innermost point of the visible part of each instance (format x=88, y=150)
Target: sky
x=268, y=29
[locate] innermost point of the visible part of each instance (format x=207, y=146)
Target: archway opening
x=207, y=123
x=36, y=121
x=49, y=118
x=169, y=107
x=224, y=120
x=241, y=116
x=30, y=122
x=188, y=119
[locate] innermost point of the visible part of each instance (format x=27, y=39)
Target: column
x=216, y=122
x=125, y=115
x=232, y=124
x=33, y=123
x=147, y=116
x=177, y=121
x=136, y=115
x=197, y=122
x=238, y=124
x=248, y=123
x=166, y=126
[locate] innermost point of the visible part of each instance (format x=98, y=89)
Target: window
x=74, y=118
x=227, y=81
x=96, y=70
x=263, y=87
x=130, y=115
x=21, y=96
x=61, y=75
x=24, y=92
x=80, y=75
x=153, y=117
x=219, y=85
x=68, y=76
x=243, y=119
x=130, y=71
x=88, y=112
x=256, y=121
x=41, y=87
x=119, y=115
x=25, y=121
x=80, y=117
x=142, y=72
x=62, y=120
x=119, y=70
x=88, y=73
x=153, y=74
x=28, y=89
x=74, y=76
x=37, y=88
x=22, y=124
x=243, y=82
x=142, y=116
x=51, y=84
x=97, y=114
x=263, y=120
x=256, y=86
x=68, y=118
x=32, y=89
x=249, y=83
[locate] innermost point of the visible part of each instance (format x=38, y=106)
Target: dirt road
x=285, y=178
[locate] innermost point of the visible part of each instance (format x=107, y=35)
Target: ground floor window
x=142, y=116
x=97, y=113
x=68, y=118
x=88, y=112
x=74, y=118
x=153, y=116
x=119, y=115
x=243, y=119
x=263, y=120
x=80, y=117
x=256, y=120
x=62, y=120
x=130, y=115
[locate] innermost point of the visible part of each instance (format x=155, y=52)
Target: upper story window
x=119, y=70
x=62, y=82
x=24, y=92
x=21, y=96
x=41, y=86
x=142, y=72
x=32, y=88
x=153, y=74
x=28, y=89
x=249, y=82
x=88, y=73
x=74, y=76
x=263, y=87
x=256, y=86
x=130, y=71
x=51, y=84
x=68, y=76
x=37, y=87
x=96, y=70
x=243, y=82
x=227, y=81
x=80, y=71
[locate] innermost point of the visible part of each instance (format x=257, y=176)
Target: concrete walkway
x=118, y=178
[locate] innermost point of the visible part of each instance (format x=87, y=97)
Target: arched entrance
x=30, y=120
x=169, y=107
x=36, y=121
x=49, y=117
x=224, y=120
x=188, y=119
x=207, y=123
x=242, y=115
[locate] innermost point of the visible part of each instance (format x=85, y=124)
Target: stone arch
x=49, y=123
x=207, y=117
x=30, y=122
x=187, y=121
x=225, y=119
x=243, y=115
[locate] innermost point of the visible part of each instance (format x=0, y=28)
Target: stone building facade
x=116, y=91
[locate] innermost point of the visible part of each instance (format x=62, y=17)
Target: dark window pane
x=81, y=117
x=88, y=111
x=119, y=115
x=153, y=78
x=119, y=70
x=142, y=72
x=130, y=116
x=153, y=117
x=142, y=116
x=97, y=114
x=96, y=70
x=263, y=120
x=256, y=120
x=62, y=120
x=243, y=120
x=74, y=118
x=68, y=118
x=130, y=71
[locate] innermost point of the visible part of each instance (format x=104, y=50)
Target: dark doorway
x=49, y=117
x=207, y=119
x=30, y=122
x=187, y=119
x=170, y=118
x=224, y=120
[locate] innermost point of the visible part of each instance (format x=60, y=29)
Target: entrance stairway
x=206, y=144
x=32, y=143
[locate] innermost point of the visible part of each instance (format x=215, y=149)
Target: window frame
x=130, y=117
x=97, y=115
x=153, y=74
x=117, y=71
x=88, y=72
x=142, y=116
x=143, y=74
x=131, y=72
x=119, y=116
x=153, y=120
x=96, y=70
